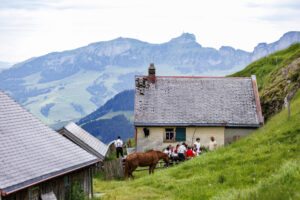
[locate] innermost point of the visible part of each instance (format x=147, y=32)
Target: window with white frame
x=170, y=134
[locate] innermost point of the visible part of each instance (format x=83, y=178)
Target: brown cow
x=149, y=158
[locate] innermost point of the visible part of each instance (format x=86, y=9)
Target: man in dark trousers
x=119, y=146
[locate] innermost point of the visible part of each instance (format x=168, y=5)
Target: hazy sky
x=29, y=29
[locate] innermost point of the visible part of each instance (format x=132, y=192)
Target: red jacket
x=189, y=153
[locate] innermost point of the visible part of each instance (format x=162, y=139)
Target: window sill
x=169, y=141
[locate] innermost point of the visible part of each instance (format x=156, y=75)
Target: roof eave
x=142, y=124
x=46, y=177
x=218, y=77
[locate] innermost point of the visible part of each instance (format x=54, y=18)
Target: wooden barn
x=174, y=109
x=84, y=139
x=36, y=162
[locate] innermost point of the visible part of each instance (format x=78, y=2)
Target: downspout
x=135, y=139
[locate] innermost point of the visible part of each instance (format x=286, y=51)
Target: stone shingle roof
x=31, y=151
x=84, y=139
x=196, y=101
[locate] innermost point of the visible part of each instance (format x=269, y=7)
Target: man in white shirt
x=181, y=152
x=197, y=145
x=119, y=146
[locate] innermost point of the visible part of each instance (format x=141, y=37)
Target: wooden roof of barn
x=197, y=101
x=31, y=152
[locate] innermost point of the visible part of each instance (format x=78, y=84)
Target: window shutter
x=180, y=134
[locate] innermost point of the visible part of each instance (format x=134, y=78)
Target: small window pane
x=169, y=134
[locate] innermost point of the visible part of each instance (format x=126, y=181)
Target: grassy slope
x=265, y=68
x=261, y=166
x=272, y=80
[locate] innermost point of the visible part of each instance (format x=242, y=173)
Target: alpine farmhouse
x=174, y=109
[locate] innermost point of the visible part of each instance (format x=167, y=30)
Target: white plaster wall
x=204, y=133
x=156, y=138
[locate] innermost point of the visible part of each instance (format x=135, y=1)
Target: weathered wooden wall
x=113, y=169
x=57, y=185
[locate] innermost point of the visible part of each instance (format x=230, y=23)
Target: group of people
x=179, y=153
x=183, y=151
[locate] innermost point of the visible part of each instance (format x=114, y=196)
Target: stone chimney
x=151, y=73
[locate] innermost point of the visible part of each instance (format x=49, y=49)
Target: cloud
x=56, y=4
x=31, y=28
x=292, y=5
x=24, y=4
x=276, y=11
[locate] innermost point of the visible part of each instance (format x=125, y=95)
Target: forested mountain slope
x=113, y=119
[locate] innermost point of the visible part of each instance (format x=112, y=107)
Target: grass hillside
x=277, y=76
x=264, y=165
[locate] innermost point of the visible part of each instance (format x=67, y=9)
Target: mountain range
x=68, y=85
x=4, y=65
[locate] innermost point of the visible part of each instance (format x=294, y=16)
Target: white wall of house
x=235, y=134
x=156, y=139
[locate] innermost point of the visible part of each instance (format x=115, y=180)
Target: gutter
x=218, y=77
x=142, y=124
x=14, y=188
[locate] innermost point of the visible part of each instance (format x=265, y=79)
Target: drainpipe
x=135, y=139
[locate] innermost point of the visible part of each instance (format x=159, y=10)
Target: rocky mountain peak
x=185, y=38
x=291, y=35
x=264, y=49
